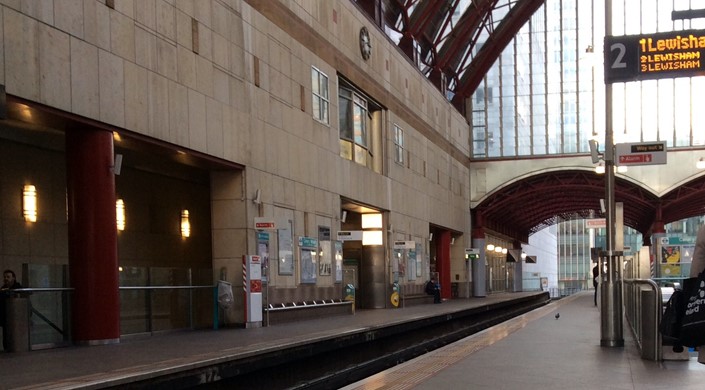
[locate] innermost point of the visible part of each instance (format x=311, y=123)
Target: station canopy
x=453, y=42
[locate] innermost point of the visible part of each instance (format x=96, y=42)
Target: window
x=398, y=145
x=354, y=122
x=321, y=99
x=361, y=122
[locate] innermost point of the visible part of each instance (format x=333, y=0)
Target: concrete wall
x=232, y=80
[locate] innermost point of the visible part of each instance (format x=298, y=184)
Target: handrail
x=634, y=316
x=162, y=287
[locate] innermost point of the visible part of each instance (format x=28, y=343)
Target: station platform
x=530, y=351
x=539, y=351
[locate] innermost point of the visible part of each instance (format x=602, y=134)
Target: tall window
x=321, y=99
x=354, y=121
x=398, y=145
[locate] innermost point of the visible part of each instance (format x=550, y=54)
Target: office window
x=321, y=99
x=353, y=125
x=398, y=145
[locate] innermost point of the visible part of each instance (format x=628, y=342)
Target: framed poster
x=307, y=250
x=263, y=252
x=325, y=266
x=286, y=249
x=338, y=256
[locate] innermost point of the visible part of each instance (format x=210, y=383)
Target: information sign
x=654, y=56
x=645, y=153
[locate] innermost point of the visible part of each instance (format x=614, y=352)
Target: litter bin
x=16, y=324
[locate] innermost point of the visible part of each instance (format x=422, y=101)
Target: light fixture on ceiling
x=600, y=168
x=372, y=237
x=372, y=221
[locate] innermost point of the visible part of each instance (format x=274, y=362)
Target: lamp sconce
x=29, y=203
x=490, y=247
x=700, y=164
x=185, y=224
x=523, y=255
x=498, y=249
x=120, y=214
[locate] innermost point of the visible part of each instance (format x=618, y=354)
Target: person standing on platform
x=698, y=266
x=9, y=283
x=595, y=277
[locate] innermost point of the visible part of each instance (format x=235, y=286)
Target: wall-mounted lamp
x=29, y=203
x=490, y=247
x=372, y=221
x=498, y=249
x=185, y=224
x=120, y=214
x=504, y=251
x=523, y=255
x=700, y=164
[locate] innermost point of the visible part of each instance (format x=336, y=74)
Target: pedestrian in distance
x=434, y=288
x=595, y=279
x=696, y=267
x=9, y=283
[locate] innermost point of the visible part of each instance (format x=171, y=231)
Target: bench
x=415, y=294
x=296, y=311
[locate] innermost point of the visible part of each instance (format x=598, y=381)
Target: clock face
x=365, y=44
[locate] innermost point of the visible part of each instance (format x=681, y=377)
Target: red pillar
x=93, y=264
x=443, y=262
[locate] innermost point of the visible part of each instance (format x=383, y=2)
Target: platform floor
x=140, y=358
x=538, y=351
x=532, y=351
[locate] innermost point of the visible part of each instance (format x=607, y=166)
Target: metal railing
x=643, y=309
x=49, y=312
x=48, y=324
x=159, y=308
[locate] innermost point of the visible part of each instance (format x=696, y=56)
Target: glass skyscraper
x=545, y=96
x=545, y=93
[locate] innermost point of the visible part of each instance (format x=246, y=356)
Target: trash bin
x=17, y=324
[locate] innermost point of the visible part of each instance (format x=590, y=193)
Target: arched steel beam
x=490, y=51
x=536, y=202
